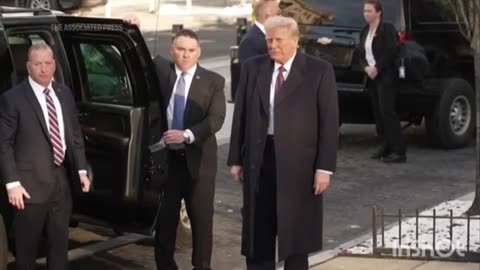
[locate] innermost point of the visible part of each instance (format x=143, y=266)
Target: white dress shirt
x=38, y=90
x=188, y=82
x=368, y=49
x=287, y=68
x=261, y=27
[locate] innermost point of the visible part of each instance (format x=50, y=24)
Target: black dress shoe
x=395, y=158
x=380, y=153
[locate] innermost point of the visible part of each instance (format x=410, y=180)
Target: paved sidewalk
x=355, y=263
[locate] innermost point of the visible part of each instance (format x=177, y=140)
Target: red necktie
x=54, y=130
x=280, y=79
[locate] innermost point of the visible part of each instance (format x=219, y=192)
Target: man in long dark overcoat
x=283, y=147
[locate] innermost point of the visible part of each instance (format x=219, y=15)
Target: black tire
x=451, y=123
x=3, y=245
x=48, y=4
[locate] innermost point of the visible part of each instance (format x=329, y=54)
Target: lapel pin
x=198, y=77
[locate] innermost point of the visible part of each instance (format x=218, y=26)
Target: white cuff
x=13, y=185
x=190, y=136
x=326, y=172
x=82, y=172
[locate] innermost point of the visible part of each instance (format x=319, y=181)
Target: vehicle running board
x=90, y=250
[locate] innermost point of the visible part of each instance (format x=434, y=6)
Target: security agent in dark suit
x=378, y=47
x=253, y=43
x=194, y=100
x=42, y=160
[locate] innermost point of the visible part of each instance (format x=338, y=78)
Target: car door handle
x=82, y=115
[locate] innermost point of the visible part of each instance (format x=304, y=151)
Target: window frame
x=430, y=26
x=50, y=38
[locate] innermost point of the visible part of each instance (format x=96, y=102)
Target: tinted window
x=106, y=74
x=19, y=43
x=342, y=13
x=433, y=11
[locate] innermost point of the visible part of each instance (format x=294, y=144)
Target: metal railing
x=406, y=249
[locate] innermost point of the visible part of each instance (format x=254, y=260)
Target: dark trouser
x=198, y=195
x=383, y=95
x=266, y=219
x=51, y=217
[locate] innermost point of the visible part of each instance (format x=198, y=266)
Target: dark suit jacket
x=253, y=44
x=306, y=138
x=26, y=154
x=384, y=47
x=204, y=114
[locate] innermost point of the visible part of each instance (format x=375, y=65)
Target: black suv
x=444, y=97
x=109, y=68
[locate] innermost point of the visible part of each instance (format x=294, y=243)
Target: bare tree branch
x=462, y=19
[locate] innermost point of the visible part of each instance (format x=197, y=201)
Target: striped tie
x=54, y=130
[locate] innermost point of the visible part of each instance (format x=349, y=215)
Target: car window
x=433, y=11
x=339, y=13
x=106, y=74
x=19, y=42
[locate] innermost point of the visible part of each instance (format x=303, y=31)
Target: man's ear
x=171, y=49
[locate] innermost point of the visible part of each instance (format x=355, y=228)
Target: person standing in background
x=379, y=46
x=253, y=43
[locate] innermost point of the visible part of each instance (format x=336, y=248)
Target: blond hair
x=39, y=46
x=262, y=8
x=281, y=21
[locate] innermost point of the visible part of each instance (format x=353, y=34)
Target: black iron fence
x=401, y=247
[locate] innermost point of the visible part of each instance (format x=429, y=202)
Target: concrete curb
x=327, y=255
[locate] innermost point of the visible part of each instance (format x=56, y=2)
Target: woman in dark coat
x=379, y=45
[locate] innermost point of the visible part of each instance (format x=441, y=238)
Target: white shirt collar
x=261, y=27
x=287, y=65
x=37, y=88
x=190, y=72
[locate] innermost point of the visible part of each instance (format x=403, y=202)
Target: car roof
x=8, y=12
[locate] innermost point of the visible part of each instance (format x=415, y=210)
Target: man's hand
x=322, y=180
x=84, y=182
x=372, y=72
x=132, y=19
x=237, y=173
x=173, y=136
x=15, y=197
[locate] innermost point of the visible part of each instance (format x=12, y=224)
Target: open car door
x=116, y=89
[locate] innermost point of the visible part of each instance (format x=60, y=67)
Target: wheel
x=184, y=230
x=451, y=123
x=3, y=245
x=47, y=4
